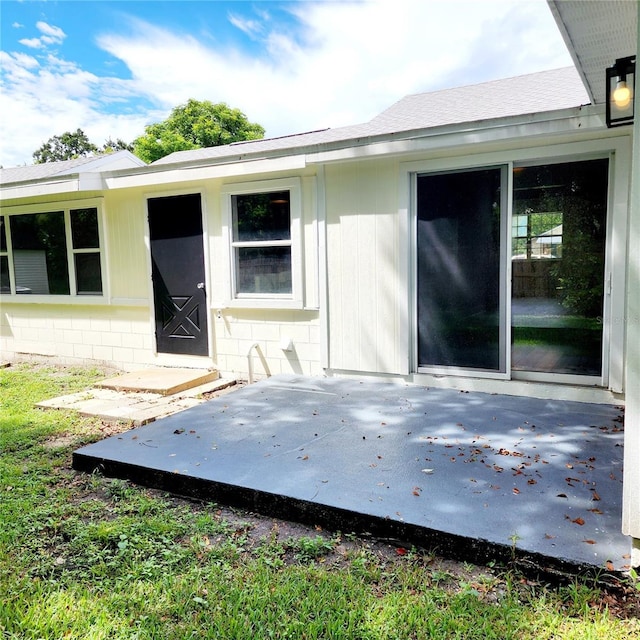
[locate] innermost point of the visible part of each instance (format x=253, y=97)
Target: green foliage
x=111, y=146
x=195, y=125
x=75, y=144
x=67, y=146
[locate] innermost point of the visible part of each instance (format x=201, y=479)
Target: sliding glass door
x=460, y=272
x=558, y=238
x=558, y=229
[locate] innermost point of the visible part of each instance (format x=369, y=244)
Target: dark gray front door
x=177, y=258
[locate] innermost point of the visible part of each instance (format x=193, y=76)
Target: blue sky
x=110, y=67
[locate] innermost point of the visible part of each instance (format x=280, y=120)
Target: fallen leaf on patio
x=610, y=566
x=579, y=521
x=178, y=431
x=384, y=424
x=427, y=471
x=532, y=481
x=416, y=491
x=595, y=496
x=548, y=536
x=569, y=465
x=305, y=457
x=516, y=490
x=589, y=541
x=497, y=468
x=561, y=495
x=596, y=511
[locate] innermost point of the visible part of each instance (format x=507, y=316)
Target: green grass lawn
x=87, y=557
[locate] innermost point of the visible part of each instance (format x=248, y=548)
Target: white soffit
x=597, y=32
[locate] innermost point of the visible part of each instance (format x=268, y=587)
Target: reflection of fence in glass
x=30, y=268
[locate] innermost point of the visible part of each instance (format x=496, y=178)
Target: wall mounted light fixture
x=621, y=83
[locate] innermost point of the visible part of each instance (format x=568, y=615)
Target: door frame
x=163, y=358
x=618, y=149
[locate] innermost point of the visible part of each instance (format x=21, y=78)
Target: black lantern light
x=621, y=91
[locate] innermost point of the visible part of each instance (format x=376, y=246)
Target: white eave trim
x=164, y=174
x=588, y=119
x=71, y=183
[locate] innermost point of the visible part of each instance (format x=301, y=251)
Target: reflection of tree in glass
x=574, y=195
x=262, y=216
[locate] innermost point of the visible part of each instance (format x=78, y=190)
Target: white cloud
x=346, y=63
x=32, y=43
x=55, y=34
x=50, y=35
x=252, y=28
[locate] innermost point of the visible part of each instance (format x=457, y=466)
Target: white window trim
x=66, y=206
x=294, y=300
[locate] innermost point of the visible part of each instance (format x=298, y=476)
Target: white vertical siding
x=125, y=218
x=366, y=279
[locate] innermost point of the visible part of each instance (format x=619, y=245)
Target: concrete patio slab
x=471, y=475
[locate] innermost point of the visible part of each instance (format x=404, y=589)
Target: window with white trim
x=52, y=253
x=263, y=221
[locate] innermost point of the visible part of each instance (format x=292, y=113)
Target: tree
x=111, y=146
x=195, y=125
x=68, y=146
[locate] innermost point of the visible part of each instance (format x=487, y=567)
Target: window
x=537, y=235
x=52, y=253
x=263, y=227
x=262, y=243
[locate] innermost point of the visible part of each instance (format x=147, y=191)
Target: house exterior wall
x=355, y=312
x=74, y=334
x=370, y=286
x=366, y=269
x=118, y=329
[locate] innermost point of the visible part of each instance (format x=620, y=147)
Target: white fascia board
x=583, y=120
x=171, y=174
x=40, y=188
x=74, y=183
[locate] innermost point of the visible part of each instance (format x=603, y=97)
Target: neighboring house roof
x=596, y=34
x=110, y=161
x=532, y=93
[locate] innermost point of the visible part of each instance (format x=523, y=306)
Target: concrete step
x=163, y=381
x=134, y=406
